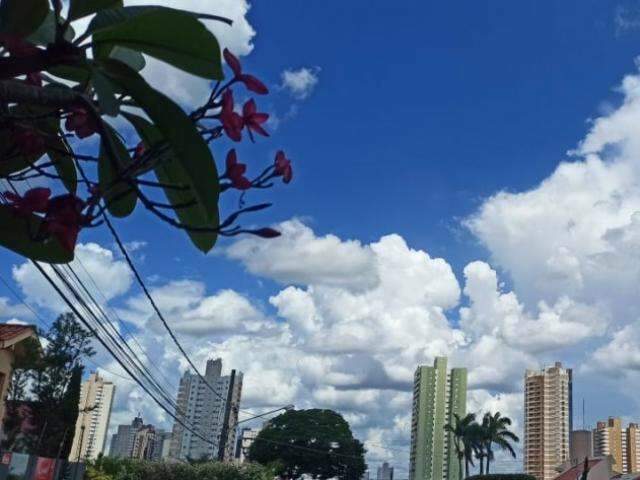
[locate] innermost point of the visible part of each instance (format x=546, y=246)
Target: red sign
x=6, y=458
x=45, y=468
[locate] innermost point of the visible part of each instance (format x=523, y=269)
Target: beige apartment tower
x=94, y=410
x=622, y=445
x=547, y=420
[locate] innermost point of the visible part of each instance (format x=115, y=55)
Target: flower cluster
x=63, y=217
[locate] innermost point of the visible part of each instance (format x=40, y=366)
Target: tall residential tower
x=547, y=420
x=210, y=414
x=437, y=396
x=94, y=410
x=620, y=444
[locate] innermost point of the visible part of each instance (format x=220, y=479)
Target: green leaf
x=173, y=36
x=82, y=8
x=170, y=171
x=120, y=197
x=69, y=72
x=46, y=32
x=63, y=162
x=17, y=234
x=22, y=17
x=106, y=93
x=132, y=58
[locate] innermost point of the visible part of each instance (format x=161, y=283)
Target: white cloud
x=301, y=82
x=576, y=234
x=500, y=314
x=300, y=257
x=103, y=275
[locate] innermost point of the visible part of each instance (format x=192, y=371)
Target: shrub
x=128, y=469
x=502, y=476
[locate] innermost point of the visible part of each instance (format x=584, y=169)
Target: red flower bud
x=266, y=232
x=81, y=122
x=283, y=167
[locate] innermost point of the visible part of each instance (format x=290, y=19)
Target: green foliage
x=128, y=469
x=18, y=234
x=471, y=438
x=119, y=36
x=54, y=380
x=120, y=197
x=314, y=442
x=152, y=31
x=502, y=476
x=82, y=8
x=22, y=17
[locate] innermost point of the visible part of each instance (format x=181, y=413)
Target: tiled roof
x=9, y=331
x=574, y=472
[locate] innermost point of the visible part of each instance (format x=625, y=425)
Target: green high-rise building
x=437, y=395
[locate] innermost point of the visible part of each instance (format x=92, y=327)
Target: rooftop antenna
x=583, y=425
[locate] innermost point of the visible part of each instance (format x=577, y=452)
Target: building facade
x=547, y=420
x=385, y=472
x=245, y=439
x=14, y=342
x=621, y=445
x=122, y=440
x=161, y=446
x=144, y=442
x=437, y=396
x=94, y=412
x=580, y=446
x=211, y=414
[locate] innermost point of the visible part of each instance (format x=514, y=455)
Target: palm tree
x=495, y=430
x=461, y=431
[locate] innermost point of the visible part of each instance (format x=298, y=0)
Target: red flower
x=30, y=142
x=235, y=172
x=283, y=167
x=233, y=62
x=253, y=119
x=81, y=122
x=139, y=151
x=17, y=46
x=64, y=219
x=34, y=200
x=34, y=78
x=232, y=122
x=251, y=82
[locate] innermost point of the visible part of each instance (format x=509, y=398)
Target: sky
x=466, y=183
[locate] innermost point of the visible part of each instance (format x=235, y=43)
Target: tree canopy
x=314, y=442
x=49, y=386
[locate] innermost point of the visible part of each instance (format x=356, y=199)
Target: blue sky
x=422, y=113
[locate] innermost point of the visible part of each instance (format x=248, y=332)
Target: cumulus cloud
x=562, y=324
x=300, y=257
x=576, y=234
x=301, y=82
x=103, y=275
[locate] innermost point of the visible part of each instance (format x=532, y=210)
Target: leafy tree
x=18, y=390
x=51, y=386
x=495, y=431
x=54, y=97
x=314, y=442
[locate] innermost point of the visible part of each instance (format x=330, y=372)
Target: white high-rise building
x=213, y=416
x=547, y=420
x=94, y=411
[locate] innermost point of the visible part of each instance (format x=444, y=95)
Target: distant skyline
x=466, y=183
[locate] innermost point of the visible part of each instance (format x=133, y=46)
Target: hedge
x=127, y=469
x=502, y=476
